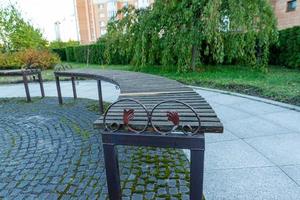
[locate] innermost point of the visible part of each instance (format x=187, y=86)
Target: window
x=102, y=24
x=103, y=31
x=102, y=15
x=101, y=6
x=291, y=5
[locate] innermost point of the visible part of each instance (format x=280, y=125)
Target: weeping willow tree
x=189, y=33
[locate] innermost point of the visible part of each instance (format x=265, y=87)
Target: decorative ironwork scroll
x=128, y=116
x=176, y=122
x=174, y=118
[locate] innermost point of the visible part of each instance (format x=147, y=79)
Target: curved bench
x=145, y=87
x=24, y=73
x=144, y=93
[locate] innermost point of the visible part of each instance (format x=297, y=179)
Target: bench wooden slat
x=151, y=90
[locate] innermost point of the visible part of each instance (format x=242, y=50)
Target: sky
x=44, y=13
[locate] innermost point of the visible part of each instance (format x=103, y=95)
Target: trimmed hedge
x=93, y=53
x=287, y=52
x=61, y=53
x=70, y=54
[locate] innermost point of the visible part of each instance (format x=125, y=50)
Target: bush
x=80, y=53
x=93, y=53
x=10, y=61
x=70, y=54
x=61, y=52
x=42, y=59
x=287, y=52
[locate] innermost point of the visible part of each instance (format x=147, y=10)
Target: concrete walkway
x=258, y=156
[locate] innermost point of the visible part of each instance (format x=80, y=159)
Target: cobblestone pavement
x=49, y=151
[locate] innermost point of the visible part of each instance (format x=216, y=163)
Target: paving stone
x=233, y=154
x=254, y=127
x=161, y=191
x=293, y=171
x=280, y=149
x=149, y=195
x=288, y=119
x=250, y=183
x=55, y=161
x=137, y=197
x=226, y=136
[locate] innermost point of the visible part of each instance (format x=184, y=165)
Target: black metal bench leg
x=41, y=84
x=74, y=87
x=101, y=109
x=112, y=171
x=25, y=80
x=58, y=90
x=196, y=177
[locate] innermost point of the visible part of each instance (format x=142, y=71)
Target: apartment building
x=287, y=13
x=94, y=15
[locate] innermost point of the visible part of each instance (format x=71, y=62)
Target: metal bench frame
x=196, y=144
x=24, y=74
x=111, y=139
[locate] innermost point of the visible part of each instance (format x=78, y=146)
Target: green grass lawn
x=280, y=84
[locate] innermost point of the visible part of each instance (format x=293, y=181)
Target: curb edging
x=259, y=99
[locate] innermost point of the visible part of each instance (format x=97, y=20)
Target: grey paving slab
x=206, y=94
x=268, y=183
x=293, y=171
x=226, y=136
x=226, y=99
x=280, y=149
x=254, y=127
x=227, y=114
x=288, y=119
x=256, y=108
x=233, y=154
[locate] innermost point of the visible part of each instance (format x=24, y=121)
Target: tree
x=16, y=33
x=188, y=33
x=60, y=44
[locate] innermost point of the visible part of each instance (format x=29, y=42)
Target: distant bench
x=24, y=73
x=150, y=111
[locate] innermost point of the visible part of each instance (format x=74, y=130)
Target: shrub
x=287, y=52
x=96, y=54
x=80, y=53
x=42, y=59
x=60, y=44
x=61, y=52
x=10, y=61
x=70, y=54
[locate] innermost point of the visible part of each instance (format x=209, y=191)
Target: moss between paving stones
x=146, y=173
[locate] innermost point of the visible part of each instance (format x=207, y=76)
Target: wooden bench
x=151, y=111
x=24, y=73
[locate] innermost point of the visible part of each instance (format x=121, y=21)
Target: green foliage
x=62, y=67
x=93, y=54
x=29, y=58
x=59, y=48
x=81, y=53
x=190, y=32
x=60, y=44
x=61, y=52
x=70, y=54
x=9, y=61
x=16, y=33
x=185, y=34
x=287, y=52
